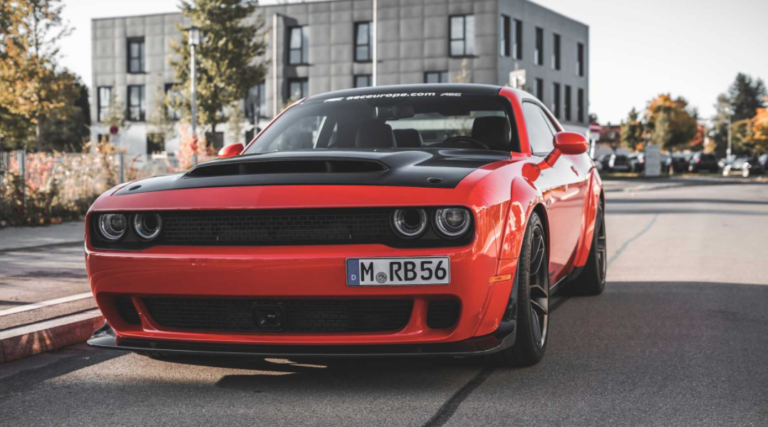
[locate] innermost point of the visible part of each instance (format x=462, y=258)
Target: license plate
x=398, y=271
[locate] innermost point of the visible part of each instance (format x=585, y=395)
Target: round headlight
x=147, y=226
x=453, y=222
x=112, y=226
x=410, y=223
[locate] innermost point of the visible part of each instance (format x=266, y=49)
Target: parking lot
x=678, y=338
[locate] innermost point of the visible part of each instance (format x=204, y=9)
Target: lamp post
x=194, y=41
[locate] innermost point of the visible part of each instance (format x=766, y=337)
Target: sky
x=639, y=48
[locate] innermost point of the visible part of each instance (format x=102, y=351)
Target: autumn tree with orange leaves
x=32, y=87
x=760, y=129
x=671, y=124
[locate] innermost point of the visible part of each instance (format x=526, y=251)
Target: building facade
x=326, y=46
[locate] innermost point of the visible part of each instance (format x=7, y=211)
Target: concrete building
x=325, y=46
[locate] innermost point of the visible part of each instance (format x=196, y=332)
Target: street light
x=194, y=41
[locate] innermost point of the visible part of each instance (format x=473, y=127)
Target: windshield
x=389, y=121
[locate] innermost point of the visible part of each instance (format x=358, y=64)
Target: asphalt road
x=680, y=337
x=41, y=274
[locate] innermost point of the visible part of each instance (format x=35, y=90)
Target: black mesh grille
x=276, y=228
x=127, y=310
x=442, y=314
x=315, y=315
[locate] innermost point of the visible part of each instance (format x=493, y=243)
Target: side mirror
x=571, y=143
x=231, y=150
x=568, y=143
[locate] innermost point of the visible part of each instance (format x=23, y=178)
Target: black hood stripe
x=428, y=168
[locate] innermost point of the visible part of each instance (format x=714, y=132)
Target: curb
x=47, y=245
x=24, y=341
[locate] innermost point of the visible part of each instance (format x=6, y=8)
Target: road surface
x=680, y=337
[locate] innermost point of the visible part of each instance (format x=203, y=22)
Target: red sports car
x=398, y=220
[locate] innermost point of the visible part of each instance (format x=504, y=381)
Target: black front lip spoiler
x=504, y=337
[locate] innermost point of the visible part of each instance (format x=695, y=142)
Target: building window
x=517, y=42
x=174, y=99
x=136, y=55
x=298, y=89
x=580, y=106
x=155, y=143
x=540, y=89
x=363, y=80
x=580, y=60
x=436, y=77
x=462, y=33
x=556, y=52
x=298, y=53
x=363, y=36
x=506, y=36
x=556, y=99
x=256, y=103
x=538, y=54
x=103, y=101
x=137, y=107
x=567, y=103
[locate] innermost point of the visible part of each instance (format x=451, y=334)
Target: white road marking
x=41, y=304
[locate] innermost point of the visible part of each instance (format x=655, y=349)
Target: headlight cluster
x=450, y=223
x=113, y=226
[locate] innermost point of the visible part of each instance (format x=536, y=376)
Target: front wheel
x=532, y=294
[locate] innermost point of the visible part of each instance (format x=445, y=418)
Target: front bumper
x=292, y=273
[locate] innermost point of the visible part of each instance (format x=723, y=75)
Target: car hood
x=429, y=168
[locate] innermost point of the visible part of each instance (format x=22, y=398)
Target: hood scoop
x=293, y=166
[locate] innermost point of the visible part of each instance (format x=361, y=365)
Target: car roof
x=417, y=88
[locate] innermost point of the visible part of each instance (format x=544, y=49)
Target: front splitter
x=504, y=338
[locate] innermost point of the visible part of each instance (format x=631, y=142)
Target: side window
x=540, y=133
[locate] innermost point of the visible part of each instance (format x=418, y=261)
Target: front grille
x=442, y=314
x=127, y=310
x=304, y=315
x=276, y=228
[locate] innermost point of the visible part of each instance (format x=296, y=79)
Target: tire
x=591, y=280
x=532, y=302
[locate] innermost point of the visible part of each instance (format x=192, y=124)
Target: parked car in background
x=637, y=162
x=666, y=163
x=744, y=166
x=763, y=160
x=725, y=161
x=679, y=162
x=613, y=163
x=703, y=162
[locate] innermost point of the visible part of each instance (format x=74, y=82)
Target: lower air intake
x=127, y=310
x=280, y=315
x=442, y=314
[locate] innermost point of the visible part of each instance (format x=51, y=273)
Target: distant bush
x=62, y=186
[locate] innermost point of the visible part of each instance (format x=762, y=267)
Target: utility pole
x=730, y=126
x=274, y=65
x=194, y=41
x=375, y=72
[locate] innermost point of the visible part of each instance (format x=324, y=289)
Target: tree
x=670, y=123
x=746, y=96
x=31, y=86
x=632, y=131
x=719, y=132
x=760, y=130
x=68, y=129
x=226, y=58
